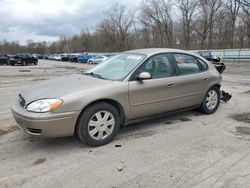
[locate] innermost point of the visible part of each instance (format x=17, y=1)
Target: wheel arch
x=216, y=85
x=113, y=102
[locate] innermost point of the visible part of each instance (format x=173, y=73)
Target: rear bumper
x=48, y=124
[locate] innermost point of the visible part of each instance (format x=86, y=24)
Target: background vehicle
x=73, y=58
x=23, y=59
x=84, y=58
x=57, y=58
x=97, y=59
x=4, y=59
x=38, y=56
x=65, y=58
x=208, y=56
x=51, y=57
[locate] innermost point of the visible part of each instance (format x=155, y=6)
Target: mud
x=245, y=117
x=243, y=130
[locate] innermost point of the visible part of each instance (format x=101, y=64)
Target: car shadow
x=137, y=130
x=168, y=120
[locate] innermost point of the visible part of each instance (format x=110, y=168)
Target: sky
x=47, y=20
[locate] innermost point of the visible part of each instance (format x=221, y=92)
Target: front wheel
x=98, y=124
x=211, y=101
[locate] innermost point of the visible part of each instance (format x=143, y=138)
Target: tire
x=24, y=63
x=12, y=64
x=90, y=62
x=35, y=63
x=211, y=101
x=96, y=115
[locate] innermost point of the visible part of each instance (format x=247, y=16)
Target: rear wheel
x=98, y=124
x=211, y=101
x=35, y=63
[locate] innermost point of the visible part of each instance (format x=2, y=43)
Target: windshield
x=117, y=67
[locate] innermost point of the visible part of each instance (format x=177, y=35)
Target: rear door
x=154, y=95
x=191, y=81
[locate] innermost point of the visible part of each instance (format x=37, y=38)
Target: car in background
x=73, y=58
x=38, y=56
x=85, y=58
x=50, y=57
x=208, y=56
x=97, y=59
x=57, y=58
x=4, y=59
x=45, y=56
x=65, y=58
x=126, y=88
x=23, y=59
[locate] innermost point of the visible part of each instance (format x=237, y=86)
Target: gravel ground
x=184, y=150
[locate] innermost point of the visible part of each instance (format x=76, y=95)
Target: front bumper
x=49, y=124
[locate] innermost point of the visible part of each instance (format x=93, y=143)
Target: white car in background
x=97, y=59
x=57, y=57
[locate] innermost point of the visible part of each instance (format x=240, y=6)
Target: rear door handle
x=205, y=79
x=171, y=85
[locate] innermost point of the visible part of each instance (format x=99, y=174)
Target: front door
x=155, y=95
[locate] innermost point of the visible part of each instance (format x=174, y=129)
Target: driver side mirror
x=144, y=76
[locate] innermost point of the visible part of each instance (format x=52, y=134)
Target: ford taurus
x=126, y=88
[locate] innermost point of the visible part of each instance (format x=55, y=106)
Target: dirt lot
x=184, y=150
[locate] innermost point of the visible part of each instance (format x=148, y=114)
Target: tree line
x=185, y=24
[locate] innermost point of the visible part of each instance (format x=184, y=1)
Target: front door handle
x=171, y=85
x=205, y=79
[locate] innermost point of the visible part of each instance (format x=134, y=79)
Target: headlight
x=44, y=105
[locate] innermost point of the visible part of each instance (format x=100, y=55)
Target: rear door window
x=187, y=64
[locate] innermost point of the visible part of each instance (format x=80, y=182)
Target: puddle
x=39, y=161
x=247, y=92
x=137, y=135
x=24, y=70
x=39, y=79
x=243, y=130
x=185, y=119
x=3, y=132
x=245, y=117
x=199, y=114
x=168, y=122
x=66, y=67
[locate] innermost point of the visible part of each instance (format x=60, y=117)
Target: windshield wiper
x=93, y=74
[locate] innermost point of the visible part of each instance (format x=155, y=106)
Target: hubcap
x=101, y=125
x=211, y=99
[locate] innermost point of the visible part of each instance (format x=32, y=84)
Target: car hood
x=60, y=86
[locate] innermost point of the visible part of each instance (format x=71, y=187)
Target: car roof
x=152, y=51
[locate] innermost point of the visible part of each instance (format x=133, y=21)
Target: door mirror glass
x=144, y=76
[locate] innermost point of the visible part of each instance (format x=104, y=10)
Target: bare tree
x=187, y=8
x=233, y=7
x=156, y=16
x=245, y=6
x=115, y=27
x=204, y=27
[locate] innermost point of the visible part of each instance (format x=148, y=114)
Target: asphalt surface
x=184, y=150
